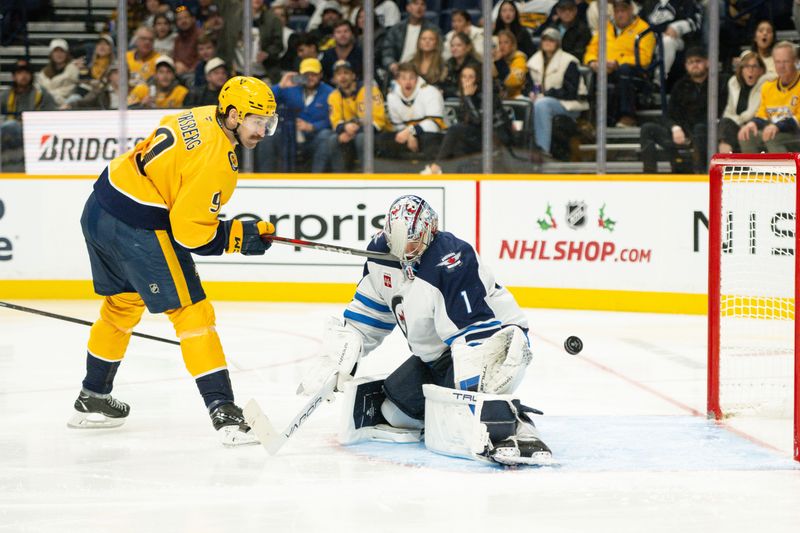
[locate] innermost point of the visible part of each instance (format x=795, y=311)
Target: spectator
x=347, y=11
x=400, y=43
x=208, y=93
x=677, y=21
x=428, y=57
x=103, y=95
x=346, y=48
x=532, y=14
x=184, y=53
x=305, y=121
x=21, y=96
x=509, y=65
x=461, y=22
x=155, y=8
x=136, y=13
x=763, y=41
x=102, y=57
x=142, y=59
x=621, y=34
x=267, y=45
x=593, y=14
x=163, y=91
x=214, y=23
x=774, y=128
x=466, y=135
x=559, y=89
x=508, y=20
x=60, y=76
x=379, y=32
x=387, y=12
x=206, y=50
x=744, y=98
x=286, y=32
x=208, y=10
x=575, y=33
x=346, y=108
x=462, y=54
x=164, y=42
x=416, y=112
x=302, y=46
x=297, y=7
x=331, y=14
x=686, y=124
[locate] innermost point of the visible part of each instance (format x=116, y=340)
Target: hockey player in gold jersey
x=151, y=208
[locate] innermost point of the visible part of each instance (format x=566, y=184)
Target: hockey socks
x=215, y=388
x=99, y=374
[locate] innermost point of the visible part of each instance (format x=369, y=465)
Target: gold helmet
x=249, y=96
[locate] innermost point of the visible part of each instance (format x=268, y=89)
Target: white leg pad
x=361, y=418
x=452, y=422
x=454, y=426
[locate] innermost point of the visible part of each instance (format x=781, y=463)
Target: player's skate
x=95, y=411
x=229, y=422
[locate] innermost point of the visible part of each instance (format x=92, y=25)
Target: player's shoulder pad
x=448, y=259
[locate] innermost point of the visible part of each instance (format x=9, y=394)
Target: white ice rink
x=625, y=421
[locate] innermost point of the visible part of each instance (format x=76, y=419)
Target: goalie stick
x=271, y=439
x=330, y=248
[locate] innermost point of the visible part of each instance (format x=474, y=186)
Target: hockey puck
x=573, y=345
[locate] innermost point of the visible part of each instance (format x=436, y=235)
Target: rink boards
x=636, y=243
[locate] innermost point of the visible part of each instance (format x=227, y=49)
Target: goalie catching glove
x=342, y=347
x=245, y=236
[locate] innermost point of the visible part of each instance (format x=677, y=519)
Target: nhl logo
x=576, y=214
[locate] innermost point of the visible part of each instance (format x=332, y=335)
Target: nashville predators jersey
x=176, y=179
x=780, y=102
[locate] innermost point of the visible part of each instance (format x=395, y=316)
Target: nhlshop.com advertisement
x=611, y=235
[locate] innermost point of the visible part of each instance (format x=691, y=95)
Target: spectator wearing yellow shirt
x=775, y=125
x=163, y=91
x=142, y=59
x=621, y=34
x=510, y=65
x=347, y=110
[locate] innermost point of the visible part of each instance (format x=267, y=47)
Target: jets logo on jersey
x=450, y=261
x=387, y=280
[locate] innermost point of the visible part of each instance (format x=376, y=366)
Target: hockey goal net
x=753, y=364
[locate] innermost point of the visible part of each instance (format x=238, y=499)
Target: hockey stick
x=79, y=321
x=271, y=439
x=330, y=248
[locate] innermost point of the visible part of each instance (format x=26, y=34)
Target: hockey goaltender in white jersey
x=469, y=343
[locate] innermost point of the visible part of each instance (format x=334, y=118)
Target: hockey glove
x=244, y=237
x=342, y=347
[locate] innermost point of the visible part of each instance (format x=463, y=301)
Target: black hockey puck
x=573, y=345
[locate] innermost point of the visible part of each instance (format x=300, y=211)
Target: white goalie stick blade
x=260, y=423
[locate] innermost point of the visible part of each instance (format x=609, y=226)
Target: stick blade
x=270, y=439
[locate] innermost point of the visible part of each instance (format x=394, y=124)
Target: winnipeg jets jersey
x=453, y=298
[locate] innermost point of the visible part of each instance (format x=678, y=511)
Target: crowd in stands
x=428, y=57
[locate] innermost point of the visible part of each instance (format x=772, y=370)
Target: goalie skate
x=97, y=412
x=518, y=450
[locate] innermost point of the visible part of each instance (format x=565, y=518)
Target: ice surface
x=625, y=421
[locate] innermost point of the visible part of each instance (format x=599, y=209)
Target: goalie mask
x=410, y=227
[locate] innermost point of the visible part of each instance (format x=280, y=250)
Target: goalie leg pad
x=361, y=416
x=495, y=366
x=485, y=427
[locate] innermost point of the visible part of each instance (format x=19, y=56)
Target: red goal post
x=753, y=268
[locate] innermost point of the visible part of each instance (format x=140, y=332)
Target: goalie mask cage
x=753, y=364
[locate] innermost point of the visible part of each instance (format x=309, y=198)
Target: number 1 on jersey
x=466, y=301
